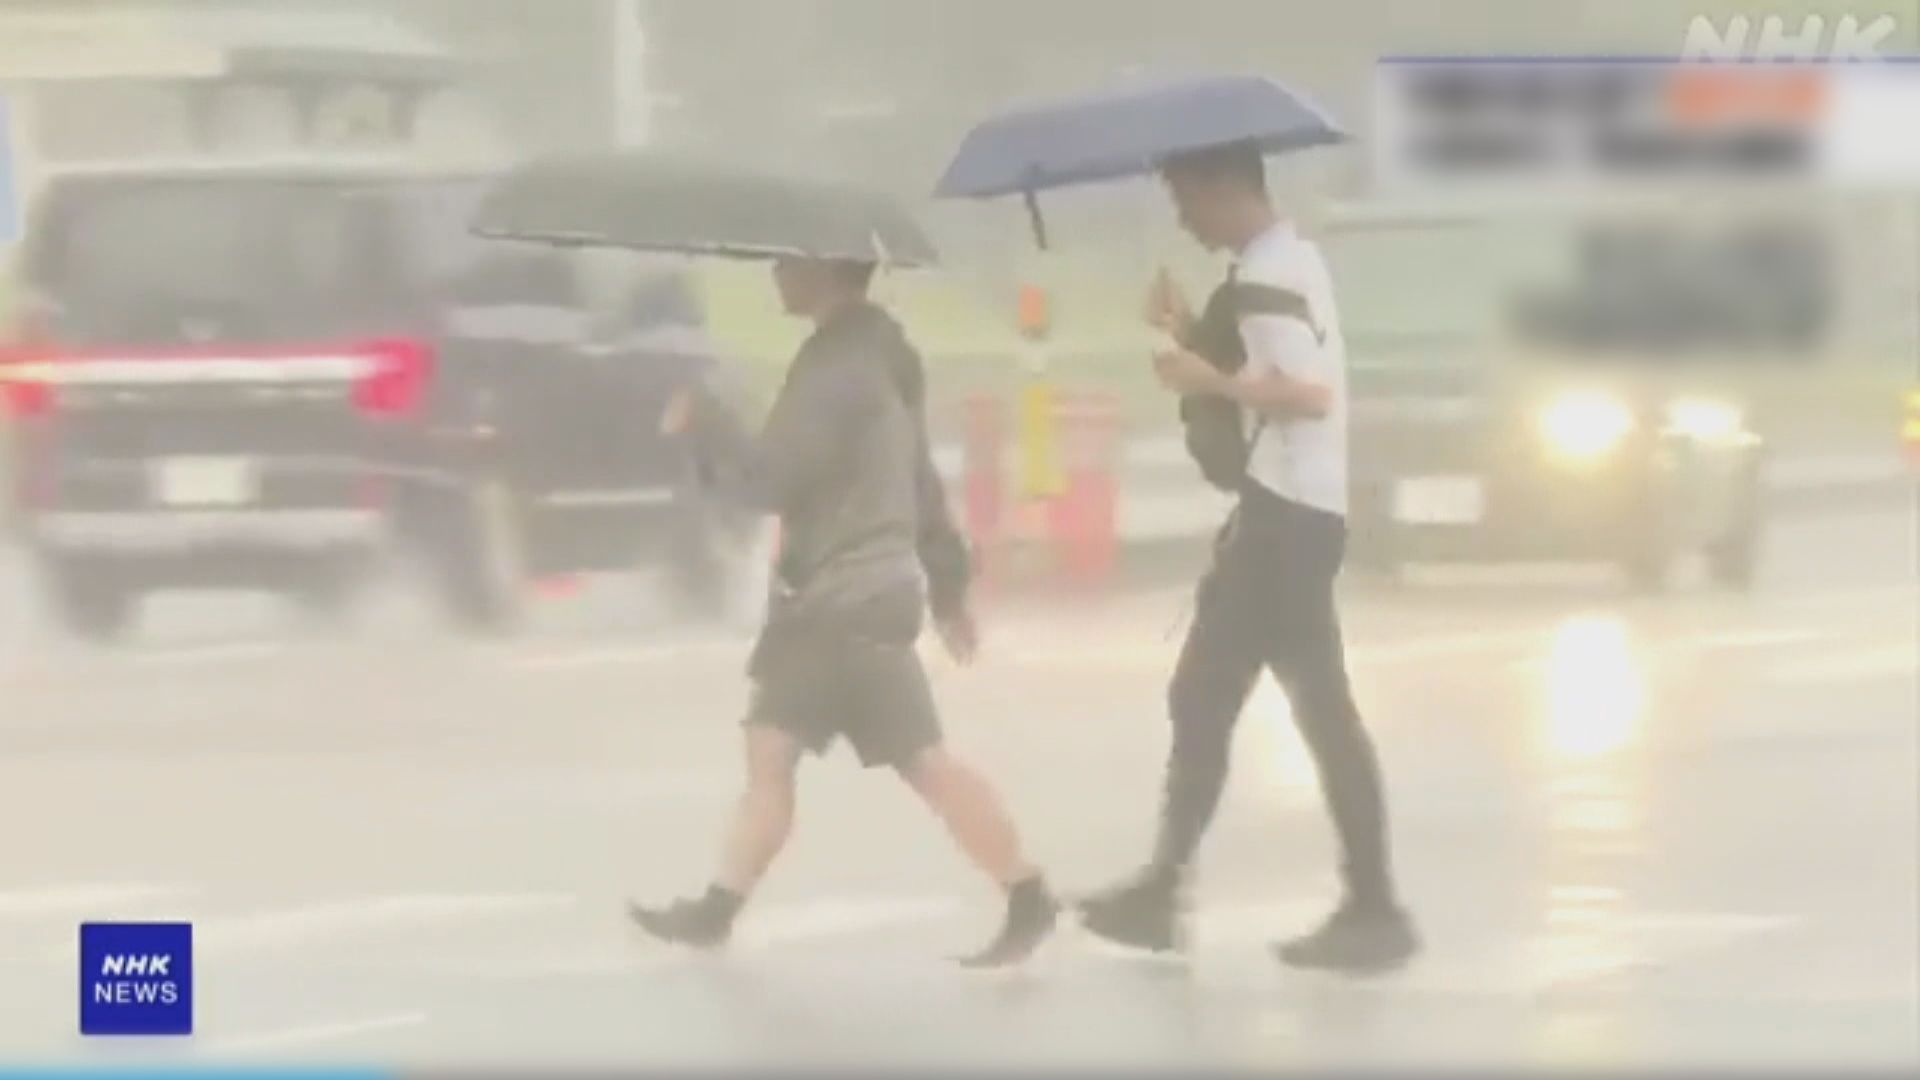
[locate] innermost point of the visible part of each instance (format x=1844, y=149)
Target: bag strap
x=1257, y=299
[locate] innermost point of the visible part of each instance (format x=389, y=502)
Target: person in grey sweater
x=867, y=543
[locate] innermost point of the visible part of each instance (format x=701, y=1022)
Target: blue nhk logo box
x=136, y=979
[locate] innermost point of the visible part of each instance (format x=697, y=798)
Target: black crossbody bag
x=1216, y=436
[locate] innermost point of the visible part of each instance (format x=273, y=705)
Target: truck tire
x=90, y=605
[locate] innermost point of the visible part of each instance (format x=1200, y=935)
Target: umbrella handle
x=1033, y=216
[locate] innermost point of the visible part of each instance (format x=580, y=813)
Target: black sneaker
x=1032, y=913
x=696, y=924
x=1355, y=939
x=1147, y=913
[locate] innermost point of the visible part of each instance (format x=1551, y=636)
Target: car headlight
x=1704, y=418
x=1586, y=426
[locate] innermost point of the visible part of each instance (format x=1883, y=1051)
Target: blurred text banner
x=1508, y=122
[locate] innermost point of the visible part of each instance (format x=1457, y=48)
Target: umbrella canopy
x=1130, y=131
x=646, y=201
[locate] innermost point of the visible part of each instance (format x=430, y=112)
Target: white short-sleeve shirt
x=1303, y=460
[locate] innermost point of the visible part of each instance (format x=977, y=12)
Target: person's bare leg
x=977, y=819
x=762, y=821
x=763, y=817
x=973, y=813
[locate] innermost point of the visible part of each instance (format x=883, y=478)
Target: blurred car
x=269, y=377
x=1477, y=440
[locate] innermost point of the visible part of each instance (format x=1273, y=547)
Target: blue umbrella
x=1129, y=131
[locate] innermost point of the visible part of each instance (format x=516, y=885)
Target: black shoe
x=1147, y=913
x=1362, y=940
x=696, y=924
x=1032, y=913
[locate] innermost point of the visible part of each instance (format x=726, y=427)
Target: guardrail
x=1162, y=499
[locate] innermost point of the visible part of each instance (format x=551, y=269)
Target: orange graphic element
x=1746, y=93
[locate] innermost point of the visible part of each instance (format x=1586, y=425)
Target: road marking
x=304, y=925
x=1061, y=649
x=1445, y=647
x=1898, y=660
x=1569, y=954
x=1753, y=639
x=795, y=923
x=196, y=655
x=280, y=1038
x=625, y=655
x=95, y=901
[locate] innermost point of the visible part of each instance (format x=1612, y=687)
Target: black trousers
x=1267, y=603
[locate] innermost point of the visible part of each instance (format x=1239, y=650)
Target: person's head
x=1220, y=193
x=816, y=288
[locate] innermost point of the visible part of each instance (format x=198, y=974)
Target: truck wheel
x=91, y=607
x=480, y=565
x=327, y=599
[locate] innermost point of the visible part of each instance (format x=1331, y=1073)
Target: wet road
x=1636, y=831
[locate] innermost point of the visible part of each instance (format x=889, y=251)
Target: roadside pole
x=627, y=55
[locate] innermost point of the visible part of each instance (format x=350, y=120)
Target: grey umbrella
x=648, y=201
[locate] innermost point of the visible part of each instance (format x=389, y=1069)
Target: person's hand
x=1187, y=373
x=1166, y=308
x=679, y=414
x=960, y=633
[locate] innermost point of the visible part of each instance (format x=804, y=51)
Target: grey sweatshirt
x=844, y=461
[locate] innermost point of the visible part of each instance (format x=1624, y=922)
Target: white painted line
x=281, y=1038
x=1445, y=647
x=626, y=655
x=1894, y=661
x=1062, y=649
x=794, y=923
x=1570, y=953
x=196, y=655
x=85, y=901
x=1753, y=639
x=305, y=925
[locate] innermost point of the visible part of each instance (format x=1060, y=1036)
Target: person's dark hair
x=1240, y=161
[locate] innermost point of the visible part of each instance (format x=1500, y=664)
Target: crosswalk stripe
x=835, y=918
x=625, y=655
x=307, y=924
x=308, y=1034
x=84, y=901
x=1897, y=660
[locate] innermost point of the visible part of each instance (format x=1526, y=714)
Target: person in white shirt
x=1261, y=377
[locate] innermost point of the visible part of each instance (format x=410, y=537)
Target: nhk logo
x=136, y=979
x=150, y=966
x=1734, y=39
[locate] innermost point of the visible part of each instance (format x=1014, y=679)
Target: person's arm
x=942, y=547
x=802, y=444
x=1283, y=377
x=944, y=553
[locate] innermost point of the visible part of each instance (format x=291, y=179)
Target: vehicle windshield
x=1436, y=283
x=201, y=240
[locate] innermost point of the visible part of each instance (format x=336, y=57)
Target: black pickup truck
x=282, y=378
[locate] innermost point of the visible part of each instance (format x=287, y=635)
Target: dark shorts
x=853, y=674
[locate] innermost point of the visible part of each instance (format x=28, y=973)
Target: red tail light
x=397, y=383
x=23, y=344
x=25, y=398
